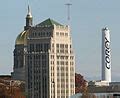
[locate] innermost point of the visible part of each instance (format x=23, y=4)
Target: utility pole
x=11, y=88
x=68, y=13
x=53, y=82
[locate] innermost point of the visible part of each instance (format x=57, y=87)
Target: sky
x=87, y=18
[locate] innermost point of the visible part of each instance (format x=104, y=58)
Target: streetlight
x=11, y=81
x=54, y=87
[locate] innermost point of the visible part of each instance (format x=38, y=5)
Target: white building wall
x=60, y=77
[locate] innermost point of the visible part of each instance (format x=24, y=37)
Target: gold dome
x=21, y=38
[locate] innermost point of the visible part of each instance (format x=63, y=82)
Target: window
x=31, y=47
x=62, y=57
x=46, y=47
x=62, y=62
x=71, y=57
x=66, y=51
x=62, y=96
x=58, y=80
x=57, y=45
x=58, y=85
x=66, y=46
x=52, y=45
x=39, y=34
x=61, y=48
x=48, y=34
x=41, y=47
x=61, y=45
x=57, y=68
x=58, y=57
x=35, y=34
x=61, y=34
x=58, y=96
x=62, y=74
x=66, y=74
x=57, y=33
x=57, y=48
x=66, y=57
x=66, y=34
x=57, y=62
x=57, y=74
x=37, y=47
x=62, y=86
x=62, y=68
x=66, y=63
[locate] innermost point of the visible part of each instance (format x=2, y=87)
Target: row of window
x=62, y=57
x=63, y=80
x=62, y=74
x=52, y=57
x=65, y=68
x=63, y=86
x=61, y=34
x=40, y=34
x=61, y=45
x=62, y=62
x=43, y=47
x=62, y=97
x=36, y=64
x=35, y=57
x=63, y=48
x=47, y=34
x=62, y=68
x=37, y=74
x=18, y=62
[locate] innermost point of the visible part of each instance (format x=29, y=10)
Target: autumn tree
x=80, y=83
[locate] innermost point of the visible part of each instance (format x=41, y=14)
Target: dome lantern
x=29, y=19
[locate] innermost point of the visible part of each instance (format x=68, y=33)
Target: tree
x=14, y=90
x=80, y=83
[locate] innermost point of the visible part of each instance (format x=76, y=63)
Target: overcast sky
x=88, y=17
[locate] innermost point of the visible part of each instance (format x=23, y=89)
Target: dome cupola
x=29, y=19
x=22, y=37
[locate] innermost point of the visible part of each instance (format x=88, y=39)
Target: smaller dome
x=21, y=38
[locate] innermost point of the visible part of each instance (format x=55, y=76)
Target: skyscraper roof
x=48, y=22
x=21, y=38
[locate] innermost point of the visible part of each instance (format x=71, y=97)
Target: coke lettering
x=107, y=53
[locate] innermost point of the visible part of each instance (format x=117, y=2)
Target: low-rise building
x=100, y=89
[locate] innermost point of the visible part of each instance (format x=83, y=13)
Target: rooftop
x=49, y=22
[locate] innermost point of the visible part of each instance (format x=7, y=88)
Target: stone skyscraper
x=44, y=58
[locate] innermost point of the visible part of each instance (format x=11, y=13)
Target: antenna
x=68, y=10
x=28, y=2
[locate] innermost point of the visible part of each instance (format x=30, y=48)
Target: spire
x=29, y=19
x=29, y=15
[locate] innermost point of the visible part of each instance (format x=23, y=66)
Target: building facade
x=44, y=59
x=97, y=95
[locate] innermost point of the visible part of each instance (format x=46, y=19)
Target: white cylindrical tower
x=106, y=55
